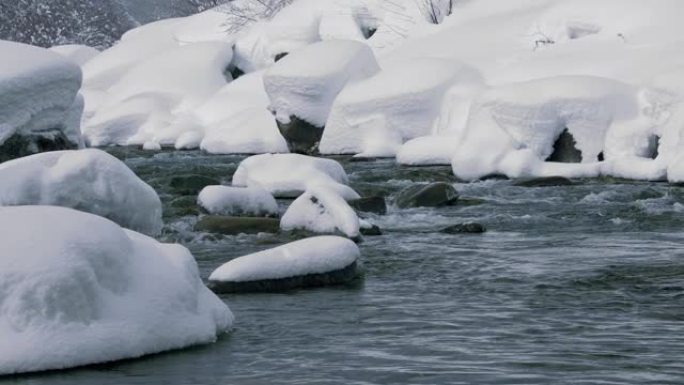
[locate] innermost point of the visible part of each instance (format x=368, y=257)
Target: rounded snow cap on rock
x=67, y=298
x=306, y=257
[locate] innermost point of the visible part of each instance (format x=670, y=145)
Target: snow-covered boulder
x=321, y=210
x=91, y=292
x=428, y=150
x=375, y=116
x=39, y=106
x=87, y=180
x=311, y=262
x=237, y=201
x=513, y=130
x=303, y=85
x=79, y=54
x=289, y=175
x=234, y=120
x=141, y=105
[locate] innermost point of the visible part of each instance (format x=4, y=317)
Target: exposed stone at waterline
x=191, y=184
x=429, y=195
x=565, y=150
x=374, y=204
x=301, y=136
x=237, y=225
x=371, y=231
x=464, y=228
x=20, y=145
x=549, y=181
x=337, y=277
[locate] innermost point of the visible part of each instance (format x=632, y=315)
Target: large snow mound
x=79, y=54
x=317, y=255
x=38, y=92
x=397, y=104
x=91, y=292
x=87, y=180
x=321, y=210
x=305, y=82
x=235, y=201
x=289, y=175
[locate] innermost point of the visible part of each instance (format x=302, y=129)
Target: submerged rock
x=311, y=262
x=191, y=184
x=301, y=136
x=430, y=195
x=374, y=204
x=549, y=181
x=464, y=228
x=237, y=225
x=372, y=230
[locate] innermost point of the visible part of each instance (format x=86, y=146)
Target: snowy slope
x=91, y=292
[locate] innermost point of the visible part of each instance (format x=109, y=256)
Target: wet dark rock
x=601, y=157
x=301, y=136
x=20, y=145
x=464, y=228
x=368, y=32
x=337, y=277
x=280, y=56
x=654, y=147
x=549, y=181
x=565, y=150
x=237, y=225
x=374, y=230
x=374, y=204
x=191, y=184
x=430, y=195
x=182, y=206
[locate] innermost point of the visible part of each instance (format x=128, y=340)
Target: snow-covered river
x=573, y=284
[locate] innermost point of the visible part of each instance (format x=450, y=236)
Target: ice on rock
x=310, y=262
x=321, y=210
x=289, y=175
x=91, y=292
x=87, y=180
x=236, y=201
x=399, y=103
x=38, y=100
x=305, y=82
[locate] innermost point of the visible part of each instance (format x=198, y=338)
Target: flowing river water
x=578, y=284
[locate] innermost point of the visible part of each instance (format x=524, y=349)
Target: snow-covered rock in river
x=373, y=117
x=303, y=85
x=514, y=130
x=91, y=292
x=238, y=201
x=87, y=180
x=289, y=175
x=311, y=262
x=321, y=210
x=39, y=106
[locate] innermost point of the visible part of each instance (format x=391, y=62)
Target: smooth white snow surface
x=289, y=175
x=38, y=92
x=321, y=210
x=306, y=81
x=91, y=292
x=79, y=54
x=317, y=255
x=88, y=180
x=247, y=201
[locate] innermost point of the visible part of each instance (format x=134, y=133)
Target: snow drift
x=91, y=292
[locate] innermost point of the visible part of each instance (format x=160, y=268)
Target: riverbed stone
x=374, y=204
x=429, y=195
x=337, y=277
x=464, y=228
x=301, y=136
x=548, y=181
x=237, y=225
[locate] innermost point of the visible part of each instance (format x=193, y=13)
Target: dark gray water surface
x=579, y=284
